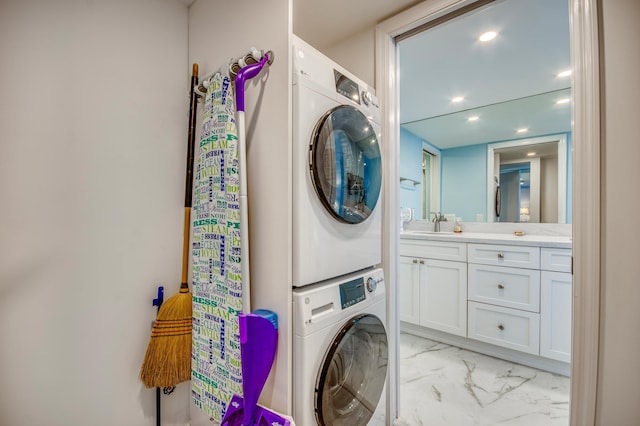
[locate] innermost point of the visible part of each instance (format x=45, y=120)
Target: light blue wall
x=464, y=181
x=410, y=167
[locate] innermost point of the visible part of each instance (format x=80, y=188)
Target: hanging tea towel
x=216, y=251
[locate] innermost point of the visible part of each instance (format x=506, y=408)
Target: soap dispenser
x=458, y=225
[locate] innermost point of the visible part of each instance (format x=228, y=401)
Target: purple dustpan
x=258, y=343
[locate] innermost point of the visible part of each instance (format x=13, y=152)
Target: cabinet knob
x=415, y=260
x=501, y=327
x=500, y=255
x=501, y=286
x=422, y=262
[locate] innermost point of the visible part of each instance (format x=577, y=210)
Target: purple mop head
x=258, y=343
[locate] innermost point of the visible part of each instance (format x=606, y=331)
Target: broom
x=168, y=358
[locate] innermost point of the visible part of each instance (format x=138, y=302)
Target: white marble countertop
x=556, y=241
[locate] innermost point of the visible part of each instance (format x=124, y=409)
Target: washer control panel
x=352, y=292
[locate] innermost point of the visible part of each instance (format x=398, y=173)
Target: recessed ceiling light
x=473, y=118
x=457, y=99
x=488, y=36
x=523, y=130
x=530, y=154
x=563, y=100
x=565, y=73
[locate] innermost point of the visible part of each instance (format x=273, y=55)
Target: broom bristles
x=168, y=358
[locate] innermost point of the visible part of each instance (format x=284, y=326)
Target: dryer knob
x=371, y=285
x=366, y=97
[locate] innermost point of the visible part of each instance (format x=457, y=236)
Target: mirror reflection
x=486, y=135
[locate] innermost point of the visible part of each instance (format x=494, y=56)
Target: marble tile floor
x=442, y=385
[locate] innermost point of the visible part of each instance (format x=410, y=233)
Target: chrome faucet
x=437, y=218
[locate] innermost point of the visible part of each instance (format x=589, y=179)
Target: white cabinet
x=443, y=295
x=555, y=315
x=409, y=290
x=510, y=287
x=433, y=291
x=513, y=296
x=504, y=294
x=510, y=328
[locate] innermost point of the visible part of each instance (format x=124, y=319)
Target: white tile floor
x=442, y=385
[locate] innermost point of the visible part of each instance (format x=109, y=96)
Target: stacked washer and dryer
x=340, y=351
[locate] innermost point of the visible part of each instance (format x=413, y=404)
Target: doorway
x=585, y=224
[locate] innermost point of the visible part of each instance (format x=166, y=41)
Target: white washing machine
x=337, y=170
x=340, y=351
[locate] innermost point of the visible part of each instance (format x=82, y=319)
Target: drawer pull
x=501, y=327
x=501, y=286
x=500, y=255
x=422, y=262
x=415, y=260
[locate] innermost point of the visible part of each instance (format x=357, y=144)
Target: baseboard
x=541, y=363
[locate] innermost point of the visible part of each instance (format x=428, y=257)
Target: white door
x=443, y=295
x=409, y=289
x=555, y=315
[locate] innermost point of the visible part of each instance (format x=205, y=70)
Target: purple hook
x=247, y=73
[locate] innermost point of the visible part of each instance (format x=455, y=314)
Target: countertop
x=491, y=238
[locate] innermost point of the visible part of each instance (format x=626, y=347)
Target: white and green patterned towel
x=216, y=251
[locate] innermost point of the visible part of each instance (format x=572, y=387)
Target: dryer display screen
x=347, y=87
x=352, y=292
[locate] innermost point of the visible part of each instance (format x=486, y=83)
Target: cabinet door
x=511, y=328
x=443, y=295
x=555, y=315
x=409, y=290
x=516, y=288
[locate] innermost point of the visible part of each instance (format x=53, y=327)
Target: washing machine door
x=352, y=374
x=345, y=165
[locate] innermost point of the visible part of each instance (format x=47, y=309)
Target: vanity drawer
x=501, y=255
x=509, y=287
x=441, y=250
x=555, y=259
x=506, y=327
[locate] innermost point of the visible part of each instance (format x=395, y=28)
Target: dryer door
x=352, y=374
x=345, y=164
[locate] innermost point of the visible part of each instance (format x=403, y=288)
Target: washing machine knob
x=366, y=97
x=371, y=285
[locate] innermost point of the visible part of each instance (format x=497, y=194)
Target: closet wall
x=93, y=125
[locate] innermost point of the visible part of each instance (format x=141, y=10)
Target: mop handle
x=246, y=73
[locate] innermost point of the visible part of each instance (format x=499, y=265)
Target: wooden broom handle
x=193, y=106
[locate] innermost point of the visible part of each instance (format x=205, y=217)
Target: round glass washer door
x=352, y=377
x=345, y=163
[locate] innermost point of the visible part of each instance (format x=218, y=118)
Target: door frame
x=583, y=19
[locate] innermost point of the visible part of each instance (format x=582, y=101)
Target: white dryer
x=340, y=351
x=337, y=170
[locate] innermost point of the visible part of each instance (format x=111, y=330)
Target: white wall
x=216, y=34
x=619, y=371
x=92, y=157
x=356, y=54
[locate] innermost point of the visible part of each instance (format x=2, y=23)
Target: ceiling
x=323, y=23
x=509, y=83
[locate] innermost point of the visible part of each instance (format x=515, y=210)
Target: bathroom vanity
x=503, y=295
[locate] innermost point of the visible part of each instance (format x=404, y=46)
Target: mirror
x=527, y=180
x=476, y=109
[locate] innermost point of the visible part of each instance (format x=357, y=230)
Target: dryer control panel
x=347, y=87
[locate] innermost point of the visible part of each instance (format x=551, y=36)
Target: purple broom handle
x=247, y=73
